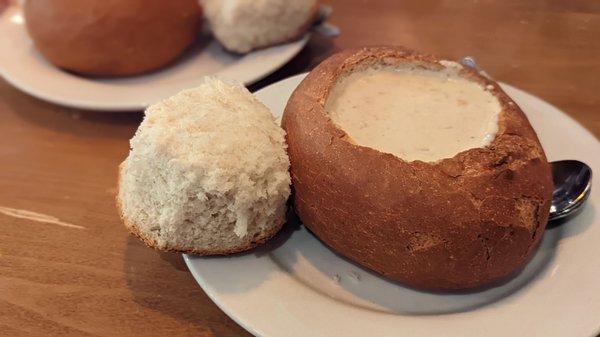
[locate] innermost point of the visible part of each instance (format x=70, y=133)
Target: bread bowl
x=112, y=37
x=466, y=217
x=207, y=173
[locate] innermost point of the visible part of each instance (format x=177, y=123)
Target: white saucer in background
x=26, y=69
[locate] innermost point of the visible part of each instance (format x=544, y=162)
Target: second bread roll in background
x=245, y=25
x=112, y=37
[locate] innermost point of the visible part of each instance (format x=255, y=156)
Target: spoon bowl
x=572, y=178
x=572, y=186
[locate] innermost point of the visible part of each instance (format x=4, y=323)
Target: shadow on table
x=169, y=288
x=317, y=49
x=85, y=124
x=161, y=282
x=122, y=125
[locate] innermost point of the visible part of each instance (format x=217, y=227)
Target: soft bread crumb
x=244, y=25
x=207, y=172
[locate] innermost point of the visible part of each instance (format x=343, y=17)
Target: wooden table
x=83, y=275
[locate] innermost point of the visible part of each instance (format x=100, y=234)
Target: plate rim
x=89, y=105
x=249, y=326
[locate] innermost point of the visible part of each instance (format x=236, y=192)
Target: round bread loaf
x=207, y=173
x=112, y=37
x=245, y=25
x=464, y=221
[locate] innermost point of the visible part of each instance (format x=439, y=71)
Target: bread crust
x=112, y=37
x=135, y=231
x=460, y=223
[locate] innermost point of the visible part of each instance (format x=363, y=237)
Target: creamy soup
x=414, y=113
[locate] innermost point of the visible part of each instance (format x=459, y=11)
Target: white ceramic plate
x=26, y=69
x=296, y=286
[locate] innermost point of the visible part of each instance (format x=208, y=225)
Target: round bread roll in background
x=207, y=173
x=245, y=25
x=112, y=37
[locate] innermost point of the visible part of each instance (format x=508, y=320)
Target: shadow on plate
x=301, y=255
x=314, y=264
x=204, y=43
x=577, y=224
x=257, y=261
x=317, y=49
x=205, y=51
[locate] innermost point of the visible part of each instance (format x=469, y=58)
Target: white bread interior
x=244, y=25
x=207, y=172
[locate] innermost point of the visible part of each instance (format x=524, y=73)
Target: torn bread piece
x=207, y=173
x=245, y=25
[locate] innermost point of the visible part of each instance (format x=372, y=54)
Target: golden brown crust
x=112, y=37
x=134, y=230
x=459, y=223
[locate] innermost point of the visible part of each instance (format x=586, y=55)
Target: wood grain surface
x=80, y=273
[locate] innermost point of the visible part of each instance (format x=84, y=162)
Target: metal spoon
x=572, y=178
x=572, y=186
